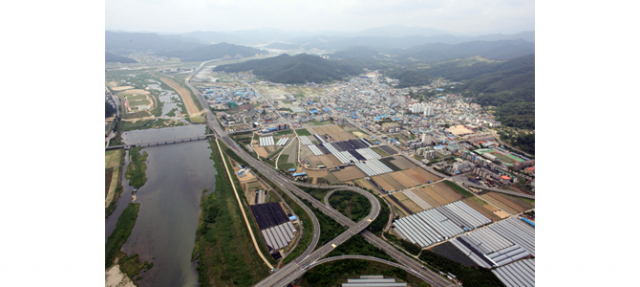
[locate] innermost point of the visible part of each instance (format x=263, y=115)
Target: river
x=164, y=232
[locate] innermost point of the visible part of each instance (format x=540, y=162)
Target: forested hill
x=297, y=69
x=215, y=51
x=113, y=58
x=493, y=50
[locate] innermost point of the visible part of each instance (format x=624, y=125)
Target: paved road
x=299, y=266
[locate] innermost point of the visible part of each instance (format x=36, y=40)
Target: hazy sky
x=465, y=17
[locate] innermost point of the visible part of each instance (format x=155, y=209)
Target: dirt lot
x=137, y=91
x=184, y=94
x=459, y=130
x=335, y=132
x=349, y=173
x=121, y=88
x=261, y=151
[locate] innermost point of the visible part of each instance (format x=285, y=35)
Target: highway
x=298, y=267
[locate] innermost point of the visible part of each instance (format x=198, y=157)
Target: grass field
x=283, y=164
x=303, y=132
x=285, y=132
x=503, y=157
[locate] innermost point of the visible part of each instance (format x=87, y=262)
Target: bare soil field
x=121, y=88
x=137, y=91
x=447, y=192
x=390, y=180
x=501, y=214
x=426, y=174
x=499, y=204
x=402, y=162
x=506, y=201
x=407, y=202
x=365, y=185
x=261, y=151
x=423, y=194
x=437, y=197
x=332, y=179
x=520, y=202
x=359, y=134
x=382, y=183
x=404, y=179
x=335, y=132
x=349, y=173
x=486, y=209
x=313, y=173
x=184, y=94
x=397, y=209
x=329, y=160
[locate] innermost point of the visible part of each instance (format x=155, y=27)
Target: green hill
x=215, y=51
x=113, y=58
x=297, y=69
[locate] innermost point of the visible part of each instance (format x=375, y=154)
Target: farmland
x=303, y=132
x=185, y=94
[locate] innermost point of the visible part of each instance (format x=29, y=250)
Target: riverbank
x=224, y=247
x=114, y=162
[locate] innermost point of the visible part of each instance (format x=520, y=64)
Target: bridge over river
x=162, y=142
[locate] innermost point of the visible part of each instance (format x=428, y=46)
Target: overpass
x=159, y=143
x=298, y=267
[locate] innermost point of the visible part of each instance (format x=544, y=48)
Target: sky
x=470, y=17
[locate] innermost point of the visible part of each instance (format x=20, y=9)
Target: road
x=299, y=266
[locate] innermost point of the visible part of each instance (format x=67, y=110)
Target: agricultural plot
x=388, y=149
x=498, y=204
x=334, y=132
x=412, y=206
x=349, y=173
x=380, y=151
x=363, y=183
x=261, y=151
x=424, y=196
x=425, y=174
x=507, y=202
x=519, y=201
x=387, y=162
x=483, y=207
x=303, y=132
x=387, y=182
x=401, y=162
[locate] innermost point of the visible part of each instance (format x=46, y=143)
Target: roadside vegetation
x=351, y=204
x=137, y=167
x=406, y=245
x=224, y=247
x=377, y=226
x=329, y=228
x=357, y=245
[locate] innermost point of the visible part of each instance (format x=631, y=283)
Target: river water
x=164, y=232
